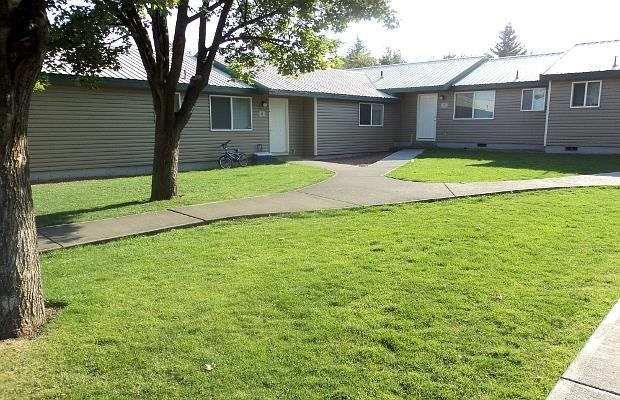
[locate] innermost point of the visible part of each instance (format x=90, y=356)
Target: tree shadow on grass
x=70, y=216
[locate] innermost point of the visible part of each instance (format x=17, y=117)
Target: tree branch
x=203, y=11
x=203, y=70
x=161, y=40
x=129, y=15
x=178, y=45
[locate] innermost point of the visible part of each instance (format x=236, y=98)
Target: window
x=231, y=113
x=586, y=94
x=371, y=114
x=533, y=99
x=474, y=105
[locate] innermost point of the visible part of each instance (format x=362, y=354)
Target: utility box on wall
x=263, y=157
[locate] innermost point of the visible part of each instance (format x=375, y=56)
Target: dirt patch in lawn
x=361, y=160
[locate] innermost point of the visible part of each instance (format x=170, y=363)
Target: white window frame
x=372, y=105
x=472, y=106
x=585, y=94
x=232, y=117
x=532, y=104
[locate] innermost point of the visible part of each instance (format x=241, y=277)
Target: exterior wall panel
x=308, y=122
x=408, y=118
x=339, y=131
x=587, y=127
x=76, y=128
x=296, y=126
x=199, y=144
x=76, y=132
x=510, y=125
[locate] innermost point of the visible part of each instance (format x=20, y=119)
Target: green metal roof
x=509, y=71
x=588, y=58
x=420, y=76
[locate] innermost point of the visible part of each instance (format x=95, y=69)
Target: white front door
x=427, y=117
x=278, y=126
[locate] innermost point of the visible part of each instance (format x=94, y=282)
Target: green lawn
x=446, y=165
x=61, y=203
x=473, y=298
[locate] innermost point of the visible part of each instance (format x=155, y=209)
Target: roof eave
x=140, y=84
x=581, y=75
x=503, y=85
x=331, y=96
x=417, y=89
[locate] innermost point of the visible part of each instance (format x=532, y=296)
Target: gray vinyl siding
x=408, y=117
x=76, y=129
x=308, y=122
x=339, y=132
x=72, y=128
x=584, y=126
x=296, y=126
x=200, y=144
x=510, y=125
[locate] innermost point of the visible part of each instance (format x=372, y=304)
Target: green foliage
x=508, y=44
x=444, y=165
x=358, y=56
x=43, y=81
x=288, y=34
x=66, y=202
x=85, y=38
x=478, y=298
x=391, y=57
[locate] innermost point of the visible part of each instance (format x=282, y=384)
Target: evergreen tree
x=358, y=56
x=507, y=44
x=391, y=57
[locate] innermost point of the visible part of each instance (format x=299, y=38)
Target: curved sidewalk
x=351, y=186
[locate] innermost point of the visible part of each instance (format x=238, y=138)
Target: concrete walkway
x=352, y=186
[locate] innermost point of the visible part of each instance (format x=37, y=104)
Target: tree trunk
x=24, y=31
x=165, y=155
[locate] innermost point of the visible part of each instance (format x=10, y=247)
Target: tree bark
x=24, y=32
x=166, y=152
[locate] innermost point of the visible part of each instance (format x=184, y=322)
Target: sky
x=431, y=29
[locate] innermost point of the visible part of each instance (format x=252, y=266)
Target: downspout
x=316, y=139
x=547, y=116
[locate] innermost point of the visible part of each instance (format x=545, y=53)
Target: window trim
x=454, y=118
x=585, y=94
x=232, y=117
x=532, y=109
x=359, y=114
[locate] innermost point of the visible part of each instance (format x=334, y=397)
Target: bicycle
x=231, y=156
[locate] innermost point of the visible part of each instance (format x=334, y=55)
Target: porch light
x=264, y=104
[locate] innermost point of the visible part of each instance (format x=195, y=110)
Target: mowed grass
x=476, y=298
x=61, y=203
x=447, y=165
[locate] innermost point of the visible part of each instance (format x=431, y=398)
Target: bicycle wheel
x=225, y=162
x=242, y=160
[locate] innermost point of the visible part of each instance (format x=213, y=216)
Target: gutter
x=581, y=75
x=140, y=84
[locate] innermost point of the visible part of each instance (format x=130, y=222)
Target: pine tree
x=508, y=45
x=391, y=57
x=358, y=56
